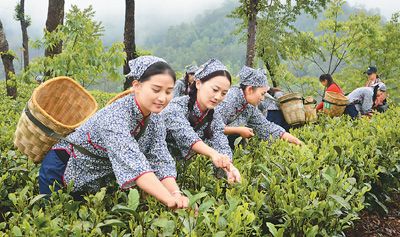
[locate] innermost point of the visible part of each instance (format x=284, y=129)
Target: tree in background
x=83, y=56
x=55, y=17
x=129, y=38
x=248, y=11
x=7, y=57
x=25, y=23
x=275, y=35
x=378, y=46
x=337, y=40
x=381, y=47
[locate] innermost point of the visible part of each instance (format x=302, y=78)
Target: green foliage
x=346, y=44
x=314, y=190
x=83, y=56
x=277, y=37
x=337, y=40
x=19, y=16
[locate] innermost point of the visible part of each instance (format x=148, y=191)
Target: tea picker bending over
x=124, y=141
x=240, y=113
x=194, y=127
x=363, y=100
x=373, y=80
x=269, y=107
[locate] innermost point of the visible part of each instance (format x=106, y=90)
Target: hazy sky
x=150, y=14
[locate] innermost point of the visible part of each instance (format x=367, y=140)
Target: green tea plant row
x=317, y=189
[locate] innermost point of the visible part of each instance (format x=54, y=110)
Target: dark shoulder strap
x=57, y=136
x=143, y=129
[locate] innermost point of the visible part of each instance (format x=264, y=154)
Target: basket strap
x=55, y=135
x=143, y=129
x=333, y=103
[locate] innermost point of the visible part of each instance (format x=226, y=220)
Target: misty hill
x=210, y=34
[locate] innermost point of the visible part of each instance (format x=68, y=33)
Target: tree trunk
x=7, y=59
x=271, y=74
x=251, y=32
x=129, y=38
x=55, y=17
x=24, y=25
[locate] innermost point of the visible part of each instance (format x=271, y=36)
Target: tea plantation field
x=318, y=189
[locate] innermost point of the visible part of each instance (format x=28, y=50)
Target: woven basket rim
x=290, y=96
x=48, y=116
x=336, y=96
x=120, y=95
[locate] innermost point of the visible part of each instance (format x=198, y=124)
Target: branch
x=315, y=62
x=339, y=61
x=334, y=43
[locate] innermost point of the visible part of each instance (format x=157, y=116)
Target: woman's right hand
x=221, y=161
x=233, y=176
x=178, y=202
x=246, y=132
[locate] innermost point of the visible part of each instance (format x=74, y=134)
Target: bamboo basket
x=61, y=104
x=310, y=110
x=334, y=104
x=120, y=95
x=292, y=108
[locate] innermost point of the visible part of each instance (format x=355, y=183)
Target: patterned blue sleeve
x=219, y=141
x=127, y=161
x=179, y=88
x=179, y=127
x=262, y=127
x=367, y=103
x=159, y=157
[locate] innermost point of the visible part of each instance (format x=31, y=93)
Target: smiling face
x=154, y=94
x=211, y=92
x=254, y=95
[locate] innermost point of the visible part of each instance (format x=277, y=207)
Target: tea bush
x=313, y=190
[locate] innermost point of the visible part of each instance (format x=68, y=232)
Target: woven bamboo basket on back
x=61, y=104
x=334, y=104
x=310, y=110
x=292, y=108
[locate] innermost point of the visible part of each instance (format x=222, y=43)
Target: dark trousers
x=276, y=116
x=231, y=139
x=52, y=171
x=351, y=111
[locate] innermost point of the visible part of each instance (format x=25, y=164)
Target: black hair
x=186, y=81
x=154, y=69
x=376, y=88
x=328, y=78
x=157, y=68
x=208, y=134
x=243, y=87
